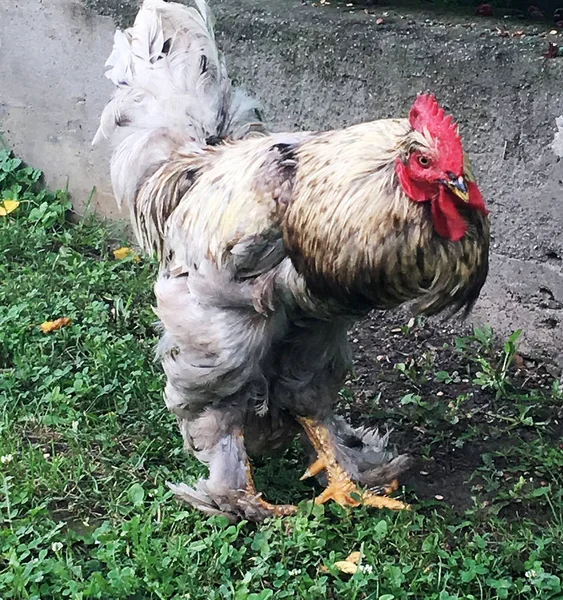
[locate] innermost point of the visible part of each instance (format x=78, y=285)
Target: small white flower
x=366, y=568
x=46, y=455
x=74, y=425
x=56, y=546
x=8, y=458
x=294, y=572
x=530, y=574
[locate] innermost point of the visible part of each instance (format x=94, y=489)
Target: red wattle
x=447, y=221
x=475, y=199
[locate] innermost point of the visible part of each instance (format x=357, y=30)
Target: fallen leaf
x=485, y=10
x=8, y=206
x=346, y=567
x=354, y=557
x=519, y=361
x=49, y=326
x=125, y=252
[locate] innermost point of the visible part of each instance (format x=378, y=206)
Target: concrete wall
x=316, y=67
x=52, y=53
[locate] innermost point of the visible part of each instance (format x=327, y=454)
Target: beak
x=457, y=186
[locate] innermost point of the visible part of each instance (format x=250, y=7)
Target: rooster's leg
x=229, y=489
x=340, y=487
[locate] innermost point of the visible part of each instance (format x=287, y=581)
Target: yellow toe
x=371, y=499
x=315, y=468
x=348, y=494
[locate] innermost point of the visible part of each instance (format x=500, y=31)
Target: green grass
x=87, y=446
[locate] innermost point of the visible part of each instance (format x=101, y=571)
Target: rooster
x=270, y=247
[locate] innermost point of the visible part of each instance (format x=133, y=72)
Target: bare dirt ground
x=427, y=388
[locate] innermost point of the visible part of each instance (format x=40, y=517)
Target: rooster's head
x=432, y=168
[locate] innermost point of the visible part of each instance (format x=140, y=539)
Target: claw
x=342, y=490
x=277, y=510
x=343, y=493
x=320, y=464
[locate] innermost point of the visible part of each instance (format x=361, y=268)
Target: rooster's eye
x=424, y=162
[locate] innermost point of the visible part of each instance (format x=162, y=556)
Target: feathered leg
x=229, y=490
x=330, y=458
x=312, y=363
x=211, y=354
x=367, y=450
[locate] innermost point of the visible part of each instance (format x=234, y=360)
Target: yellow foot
x=348, y=494
x=341, y=489
x=276, y=510
x=319, y=465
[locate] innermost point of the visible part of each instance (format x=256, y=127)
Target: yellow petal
x=354, y=557
x=49, y=326
x=8, y=206
x=125, y=252
x=346, y=566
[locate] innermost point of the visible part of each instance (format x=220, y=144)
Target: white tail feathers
x=169, y=73
x=173, y=93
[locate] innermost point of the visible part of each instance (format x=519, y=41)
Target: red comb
x=427, y=113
